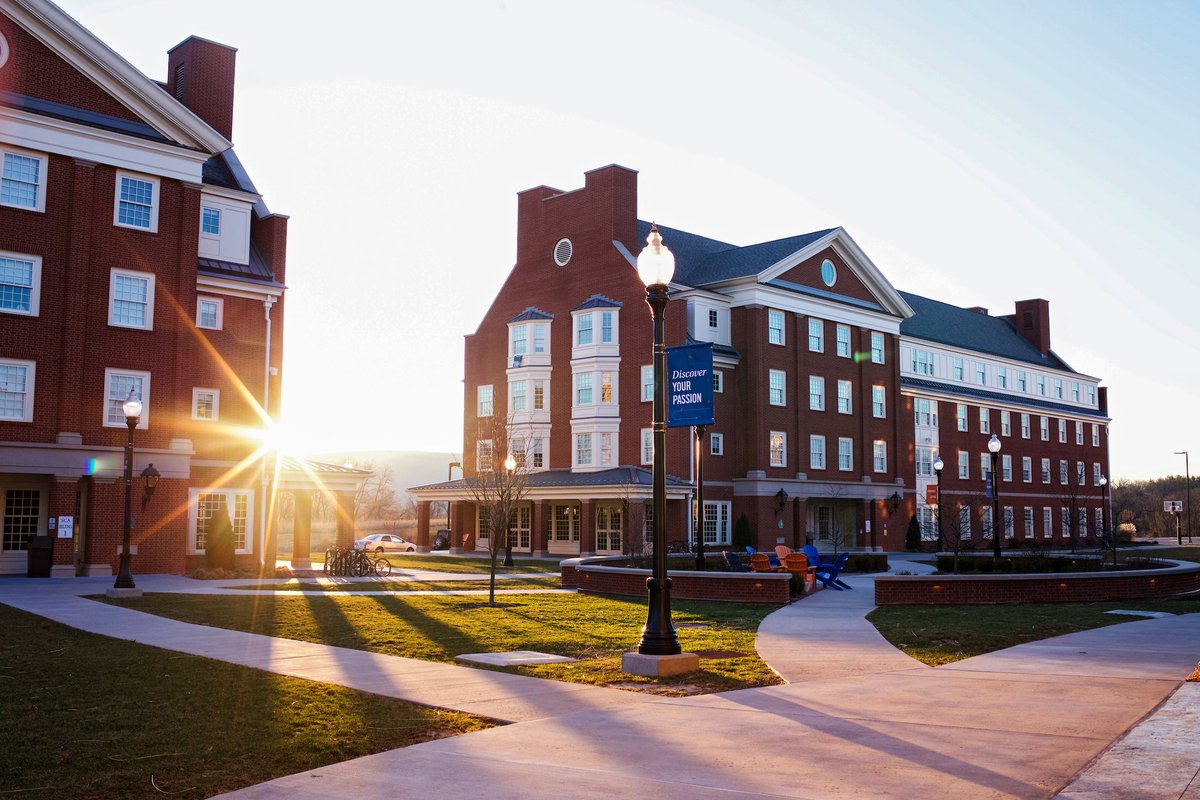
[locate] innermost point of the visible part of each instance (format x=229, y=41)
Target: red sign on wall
x=931, y=495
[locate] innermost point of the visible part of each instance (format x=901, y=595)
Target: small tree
x=218, y=539
x=912, y=537
x=743, y=536
x=498, y=484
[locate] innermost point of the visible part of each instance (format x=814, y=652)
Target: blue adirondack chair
x=774, y=560
x=814, y=557
x=827, y=574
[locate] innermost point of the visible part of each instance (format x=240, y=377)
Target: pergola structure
x=303, y=478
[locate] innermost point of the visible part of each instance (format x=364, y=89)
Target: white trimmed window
x=1095, y=473
x=517, y=395
x=712, y=318
x=483, y=455
x=204, y=503
x=1065, y=521
x=964, y=465
x=716, y=444
x=1002, y=377
x=1062, y=471
x=922, y=362
x=484, y=404
x=774, y=326
x=845, y=405
x=960, y=415
x=778, y=389
x=1044, y=428
x=607, y=327
x=606, y=449
x=537, y=453
x=210, y=313
x=20, y=284
x=206, y=404
x=606, y=387
x=136, y=203
x=1006, y=467
x=1099, y=521
x=964, y=522
x=539, y=337
x=1083, y=522
x=778, y=447
x=718, y=381
x=877, y=353
x=1047, y=522
x=1078, y=432
x=816, y=393
x=985, y=420
x=924, y=461
x=843, y=340
x=925, y=411
x=816, y=452
x=23, y=180
x=816, y=335
x=1022, y=381
x=845, y=454
x=1024, y=426
x=583, y=388
x=647, y=383
x=583, y=330
x=716, y=522
x=119, y=386
x=1045, y=470
x=985, y=465
x=878, y=402
x=1005, y=423
x=1041, y=385
x=131, y=299
x=583, y=449
x=1058, y=388
x=1027, y=469
x=1095, y=435
x=1075, y=391
x=1080, y=473
x=879, y=452
x=1091, y=395
x=210, y=221
x=520, y=341
x=16, y=390
x=957, y=369
x=988, y=527
x=1008, y=522
x=539, y=395
x=1062, y=431
x=981, y=373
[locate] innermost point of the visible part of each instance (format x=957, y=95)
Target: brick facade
x=66, y=452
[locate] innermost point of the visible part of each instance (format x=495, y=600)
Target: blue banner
x=689, y=385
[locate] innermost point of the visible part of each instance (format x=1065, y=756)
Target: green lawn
x=86, y=716
x=942, y=634
x=594, y=630
x=1184, y=553
x=389, y=585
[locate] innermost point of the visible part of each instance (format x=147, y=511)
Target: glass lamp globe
x=510, y=463
x=655, y=264
x=938, y=465
x=994, y=444
x=132, y=407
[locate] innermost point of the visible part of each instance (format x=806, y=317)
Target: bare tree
x=838, y=534
x=498, y=484
x=375, y=497
x=956, y=532
x=1070, y=495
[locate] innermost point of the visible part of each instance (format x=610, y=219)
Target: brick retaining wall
x=592, y=576
x=1060, y=587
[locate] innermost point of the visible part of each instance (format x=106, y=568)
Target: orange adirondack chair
x=797, y=564
x=761, y=562
x=782, y=551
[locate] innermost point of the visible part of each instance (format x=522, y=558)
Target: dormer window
x=210, y=221
x=712, y=318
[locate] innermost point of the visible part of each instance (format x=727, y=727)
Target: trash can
x=41, y=556
x=441, y=540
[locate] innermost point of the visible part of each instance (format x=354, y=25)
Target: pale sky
x=980, y=153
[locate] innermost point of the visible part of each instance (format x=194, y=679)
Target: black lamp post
x=656, y=266
x=1106, y=534
x=510, y=464
x=133, y=410
x=993, y=446
x=1187, y=510
x=938, y=466
x=700, y=431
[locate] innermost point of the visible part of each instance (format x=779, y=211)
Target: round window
x=3, y=50
x=562, y=252
x=828, y=272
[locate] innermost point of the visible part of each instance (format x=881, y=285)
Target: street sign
x=689, y=385
x=931, y=495
x=1173, y=506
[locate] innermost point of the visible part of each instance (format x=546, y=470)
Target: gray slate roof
x=564, y=478
x=258, y=270
x=969, y=390
x=943, y=323
x=92, y=119
x=531, y=313
x=599, y=301
x=700, y=260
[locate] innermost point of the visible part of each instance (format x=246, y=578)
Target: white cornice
x=1027, y=366
x=232, y=287
x=80, y=48
x=752, y=293
x=232, y=194
x=49, y=135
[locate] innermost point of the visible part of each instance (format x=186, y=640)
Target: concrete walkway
x=1022, y=722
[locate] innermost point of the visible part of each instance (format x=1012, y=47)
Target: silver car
x=385, y=543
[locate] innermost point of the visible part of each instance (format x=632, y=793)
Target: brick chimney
x=605, y=209
x=200, y=75
x=1032, y=321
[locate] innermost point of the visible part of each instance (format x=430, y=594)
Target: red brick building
x=136, y=257
x=828, y=386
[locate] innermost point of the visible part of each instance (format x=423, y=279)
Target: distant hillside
x=408, y=468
